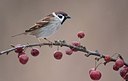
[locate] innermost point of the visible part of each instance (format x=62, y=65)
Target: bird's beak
x=68, y=17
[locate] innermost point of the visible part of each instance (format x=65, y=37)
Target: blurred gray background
x=105, y=23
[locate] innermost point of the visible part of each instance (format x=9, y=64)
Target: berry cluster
x=22, y=56
x=58, y=54
x=119, y=65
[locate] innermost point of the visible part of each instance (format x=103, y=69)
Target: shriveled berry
x=125, y=66
x=75, y=43
x=23, y=58
x=19, y=49
x=35, y=52
x=123, y=72
x=68, y=51
x=119, y=63
x=126, y=77
x=115, y=68
x=107, y=58
x=58, y=55
x=81, y=34
x=95, y=74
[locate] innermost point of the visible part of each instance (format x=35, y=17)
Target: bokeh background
x=105, y=23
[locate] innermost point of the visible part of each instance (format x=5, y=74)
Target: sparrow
x=47, y=26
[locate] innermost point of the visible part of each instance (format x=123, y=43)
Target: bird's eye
x=60, y=16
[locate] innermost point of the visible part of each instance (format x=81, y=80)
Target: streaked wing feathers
x=40, y=24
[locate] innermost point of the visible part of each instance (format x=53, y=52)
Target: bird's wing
x=40, y=23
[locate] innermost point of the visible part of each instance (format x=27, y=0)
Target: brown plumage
x=40, y=23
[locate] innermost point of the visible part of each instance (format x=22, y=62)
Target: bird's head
x=62, y=16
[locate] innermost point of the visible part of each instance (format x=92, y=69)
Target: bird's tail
x=19, y=34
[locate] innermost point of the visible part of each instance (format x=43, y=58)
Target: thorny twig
x=61, y=44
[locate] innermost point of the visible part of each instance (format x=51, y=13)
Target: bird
x=47, y=26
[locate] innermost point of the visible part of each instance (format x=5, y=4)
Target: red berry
x=81, y=34
x=119, y=63
x=19, y=49
x=123, y=72
x=91, y=70
x=95, y=74
x=75, y=43
x=23, y=58
x=107, y=58
x=69, y=51
x=58, y=55
x=20, y=54
x=115, y=68
x=34, y=52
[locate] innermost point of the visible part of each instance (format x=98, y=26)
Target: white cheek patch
x=61, y=19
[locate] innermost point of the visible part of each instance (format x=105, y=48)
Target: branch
x=61, y=44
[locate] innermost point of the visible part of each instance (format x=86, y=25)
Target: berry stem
x=98, y=65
